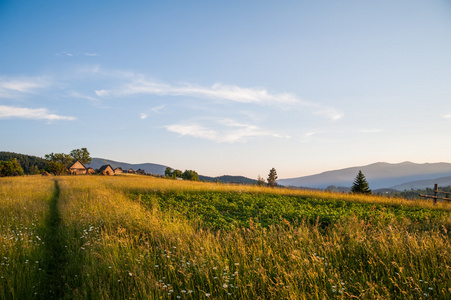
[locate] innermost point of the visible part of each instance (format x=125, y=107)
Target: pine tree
x=272, y=177
x=360, y=185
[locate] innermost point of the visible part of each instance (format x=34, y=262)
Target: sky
x=228, y=87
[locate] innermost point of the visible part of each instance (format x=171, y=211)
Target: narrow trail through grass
x=56, y=257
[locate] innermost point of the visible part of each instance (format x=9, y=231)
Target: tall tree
x=81, y=155
x=62, y=158
x=360, y=185
x=168, y=172
x=272, y=177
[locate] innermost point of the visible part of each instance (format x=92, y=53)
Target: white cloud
x=11, y=87
x=81, y=96
x=143, y=116
x=7, y=112
x=157, y=109
x=91, y=54
x=216, y=91
x=448, y=116
x=230, y=131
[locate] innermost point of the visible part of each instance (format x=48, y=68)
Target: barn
x=77, y=168
x=106, y=170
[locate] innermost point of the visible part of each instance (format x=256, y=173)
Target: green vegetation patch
x=219, y=210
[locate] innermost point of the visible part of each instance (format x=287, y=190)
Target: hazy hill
x=423, y=184
x=379, y=175
x=147, y=167
x=229, y=179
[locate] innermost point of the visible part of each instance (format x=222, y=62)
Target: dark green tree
x=168, y=172
x=177, y=173
x=190, y=175
x=10, y=168
x=56, y=167
x=272, y=177
x=62, y=158
x=81, y=155
x=360, y=185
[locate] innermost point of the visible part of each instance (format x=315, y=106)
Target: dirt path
x=56, y=256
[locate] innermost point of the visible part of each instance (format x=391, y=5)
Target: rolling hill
x=379, y=175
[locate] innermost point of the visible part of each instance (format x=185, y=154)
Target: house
x=118, y=170
x=131, y=171
x=77, y=168
x=106, y=170
x=90, y=171
x=142, y=172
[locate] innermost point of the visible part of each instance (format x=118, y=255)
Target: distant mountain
x=155, y=169
x=423, y=184
x=229, y=179
x=379, y=175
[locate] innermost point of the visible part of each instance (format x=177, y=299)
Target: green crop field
x=138, y=237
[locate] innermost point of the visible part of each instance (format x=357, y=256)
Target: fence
x=436, y=192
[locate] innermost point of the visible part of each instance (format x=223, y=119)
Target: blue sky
x=228, y=87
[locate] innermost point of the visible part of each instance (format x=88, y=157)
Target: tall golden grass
x=118, y=248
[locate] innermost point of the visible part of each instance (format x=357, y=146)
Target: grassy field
x=137, y=237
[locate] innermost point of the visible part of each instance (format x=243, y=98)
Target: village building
x=131, y=171
x=106, y=170
x=90, y=171
x=77, y=168
x=142, y=172
x=117, y=171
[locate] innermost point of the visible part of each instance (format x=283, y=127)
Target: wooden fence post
x=435, y=193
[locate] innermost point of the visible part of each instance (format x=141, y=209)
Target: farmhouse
x=142, y=172
x=106, y=170
x=131, y=171
x=77, y=168
x=117, y=170
x=90, y=171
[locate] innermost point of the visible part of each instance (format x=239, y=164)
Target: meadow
x=139, y=237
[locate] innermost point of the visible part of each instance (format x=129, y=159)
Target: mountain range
x=405, y=175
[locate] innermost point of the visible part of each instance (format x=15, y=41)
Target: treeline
x=30, y=164
x=15, y=164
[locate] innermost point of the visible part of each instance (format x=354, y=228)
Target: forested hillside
x=30, y=164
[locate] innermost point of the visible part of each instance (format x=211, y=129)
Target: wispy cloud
x=229, y=131
x=216, y=91
x=143, y=116
x=90, y=54
x=12, y=87
x=82, y=96
x=448, y=116
x=7, y=112
x=157, y=109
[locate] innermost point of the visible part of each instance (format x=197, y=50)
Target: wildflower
x=225, y=286
x=430, y=288
x=130, y=274
x=207, y=295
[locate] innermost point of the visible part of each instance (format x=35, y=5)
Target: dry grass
x=118, y=249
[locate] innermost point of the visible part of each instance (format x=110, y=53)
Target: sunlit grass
x=121, y=246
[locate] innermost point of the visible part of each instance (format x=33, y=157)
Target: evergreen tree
x=272, y=177
x=360, y=185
